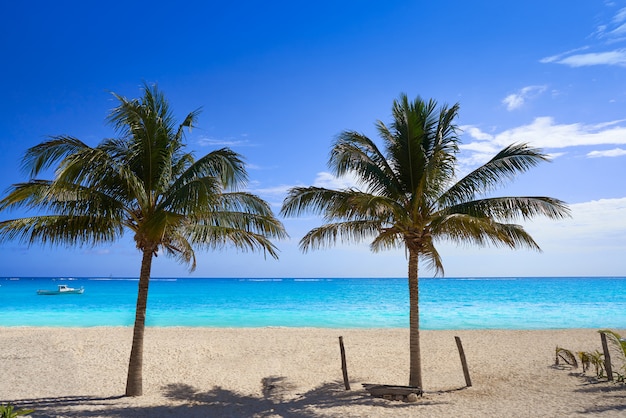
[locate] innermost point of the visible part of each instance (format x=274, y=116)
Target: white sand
x=282, y=372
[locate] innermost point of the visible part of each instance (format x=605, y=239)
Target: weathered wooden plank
x=344, y=366
x=380, y=391
x=459, y=345
x=607, y=357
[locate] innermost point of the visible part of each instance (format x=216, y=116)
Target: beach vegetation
x=9, y=411
x=568, y=357
x=411, y=195
x=615, y=339
x=616, y=346
x=146, y=183
x=585, y=360
x=596, y=358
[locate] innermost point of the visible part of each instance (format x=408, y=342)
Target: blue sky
x=277, y=81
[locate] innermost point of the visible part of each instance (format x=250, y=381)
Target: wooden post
x=607, y=357
x=344, y=366
x=468, y=381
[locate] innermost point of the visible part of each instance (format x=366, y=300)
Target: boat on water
x=62, y=289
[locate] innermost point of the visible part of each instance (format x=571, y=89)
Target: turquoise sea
x=445, y=303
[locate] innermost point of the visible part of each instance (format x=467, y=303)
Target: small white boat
x=63, y=289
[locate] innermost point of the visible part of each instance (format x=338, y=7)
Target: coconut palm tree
x=408, y=197
x=145, y=183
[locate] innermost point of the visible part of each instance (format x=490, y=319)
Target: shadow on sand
x=277, y=400
x=614, y=391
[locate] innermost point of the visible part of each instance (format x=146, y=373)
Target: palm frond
x=617, y=349
x=565, y=355
x=503, y=167
x=513, y=208
x=431, y=257
x=615, y=338
x=355, y=153
x=246, y=221
x=189, y=123
x=193, y=196
x=217, y=237
x=468, y=229
x=58, y=230
x=177, y=246
x=31, y=195
x=329, y=234
x=47, y=153
x=62, y=199
x=314, y=200
x=387, y=239
x=224, y=165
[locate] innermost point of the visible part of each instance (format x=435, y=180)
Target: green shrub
x=7, y=411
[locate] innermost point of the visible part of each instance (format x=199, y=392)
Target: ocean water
x=445, y=303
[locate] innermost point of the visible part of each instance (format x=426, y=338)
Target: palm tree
x=146, y=183
x=410, y=198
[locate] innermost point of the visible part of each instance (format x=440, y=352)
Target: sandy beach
x=296, y=372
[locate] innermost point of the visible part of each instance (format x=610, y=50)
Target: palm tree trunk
x=135, y=365
x=415, y=359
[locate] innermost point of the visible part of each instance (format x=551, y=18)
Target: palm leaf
x=503, y=167
x=512, y=208
x=617, y=349
x=44, y=155
x=329, y=234
x=567, y=356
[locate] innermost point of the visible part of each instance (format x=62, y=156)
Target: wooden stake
x=344, y=366
x=607, y=357
x=468, y=381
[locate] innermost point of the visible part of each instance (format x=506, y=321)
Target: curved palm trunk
x=415, y=359
x=134, y=381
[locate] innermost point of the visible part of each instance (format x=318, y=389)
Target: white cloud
x=273, y=191
x=620, y=30
x=204, y=141
x=607, y=33
x=615, y=152
x=616, y=57
x=558, y=57
x=513, y=101
x=517, y=100
x=475, y=132
x=620, y=16
x=479, y=153
x=329, y=181
x=543, y=132
x=598, y=224
x=275, y=195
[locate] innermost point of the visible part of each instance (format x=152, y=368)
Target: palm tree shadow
x=615, y=392
x=278, y=399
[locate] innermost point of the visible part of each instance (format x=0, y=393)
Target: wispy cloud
x=543, y=132
x=280, y=191
x=205, y=141
x=517, y=100
x=330, y=181
x=598, y=224
x=615, y=57
x=615, y=152
x=611, y=32
x=322, y=179
x=560, y=56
